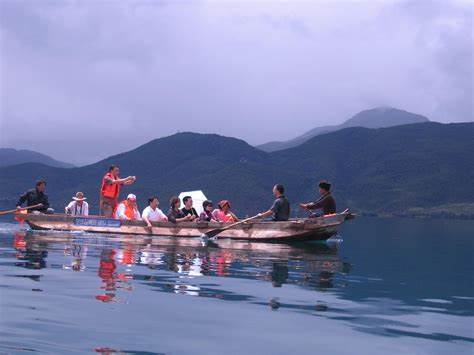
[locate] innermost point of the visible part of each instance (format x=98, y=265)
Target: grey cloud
x=257, y=70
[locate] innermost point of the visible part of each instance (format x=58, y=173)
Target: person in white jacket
x=78, y=206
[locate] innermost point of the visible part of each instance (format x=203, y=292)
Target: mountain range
x=10, y=156
x=374, y=118
x=378, y=171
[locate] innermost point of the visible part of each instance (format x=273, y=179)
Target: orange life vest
x=109, y=190
x=129, y=210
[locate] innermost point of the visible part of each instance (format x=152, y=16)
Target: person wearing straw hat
x=78, y=206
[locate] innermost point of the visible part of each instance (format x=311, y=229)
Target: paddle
x=19, y=209
x=214, y=232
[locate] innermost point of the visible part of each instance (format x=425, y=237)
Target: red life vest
x=110, y=190
x=129, y=210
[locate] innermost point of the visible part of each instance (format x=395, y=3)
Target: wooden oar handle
x=240, y=222
x=19, y=209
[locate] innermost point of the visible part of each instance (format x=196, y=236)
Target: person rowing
x=36, y=197
x=110, y=190
x=326, y=202
x=280, y=210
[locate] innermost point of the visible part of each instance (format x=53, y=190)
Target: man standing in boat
x=326, y=202
x=280, y=210
x=110, y=190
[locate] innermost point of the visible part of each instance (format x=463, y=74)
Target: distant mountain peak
x=377, y=117
x=11, y=156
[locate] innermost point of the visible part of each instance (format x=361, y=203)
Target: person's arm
x=266, y=214
x=22, y=199
x=161, y=216
x=313, y=205
x=125, y=181
x=121, y=212
x=68, y=208
x=138, y=217
x=188, y=218
x=130, y=180
x=236, y=219
x=270, y=212
x=86, y=209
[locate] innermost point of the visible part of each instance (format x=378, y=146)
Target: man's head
x=132, y=199
x=278, y=190
x=324, y=187
x=153, y=202
x=114, y=170
x=41, y=185
x=188, y=202
x=79, y=198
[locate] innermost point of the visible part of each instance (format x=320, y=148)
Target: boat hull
x=320, y=228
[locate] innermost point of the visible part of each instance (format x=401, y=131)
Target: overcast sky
x=81, y=80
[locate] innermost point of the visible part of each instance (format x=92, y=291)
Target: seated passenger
x=175, y=214
x=188, y=208
x=280, y=210
x=326, y=202
x=224, y=214
x=206, y=214
x=152, y=213
x=127, y=209
x=78, y=207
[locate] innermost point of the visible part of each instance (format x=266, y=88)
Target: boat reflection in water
x=181, y=266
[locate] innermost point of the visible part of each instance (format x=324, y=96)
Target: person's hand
x=190, y=217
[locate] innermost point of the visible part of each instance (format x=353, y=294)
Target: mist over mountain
x=374, y=118
x=10, y=156
x=381, y=171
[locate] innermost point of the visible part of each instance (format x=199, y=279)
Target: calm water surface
x=383, y=286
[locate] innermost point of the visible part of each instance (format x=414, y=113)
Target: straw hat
x=79, y=197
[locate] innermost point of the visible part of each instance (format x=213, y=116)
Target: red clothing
x=110, y=190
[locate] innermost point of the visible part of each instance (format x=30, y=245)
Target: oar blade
x=212, y=233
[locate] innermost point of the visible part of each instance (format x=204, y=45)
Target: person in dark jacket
x=36, y=196
x=326, y=202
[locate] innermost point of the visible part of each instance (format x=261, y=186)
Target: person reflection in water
x=279, y=274
x=34, y=255
x=107, y=268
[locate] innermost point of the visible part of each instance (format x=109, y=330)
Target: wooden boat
x=320, y=228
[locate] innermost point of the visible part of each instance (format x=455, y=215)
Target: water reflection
x=394, y=290
x=122, y=259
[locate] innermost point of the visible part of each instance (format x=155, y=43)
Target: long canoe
x=320, y=228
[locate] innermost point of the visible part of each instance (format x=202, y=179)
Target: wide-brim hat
x=79, y=197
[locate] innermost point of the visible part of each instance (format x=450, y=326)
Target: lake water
x=383, y=286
